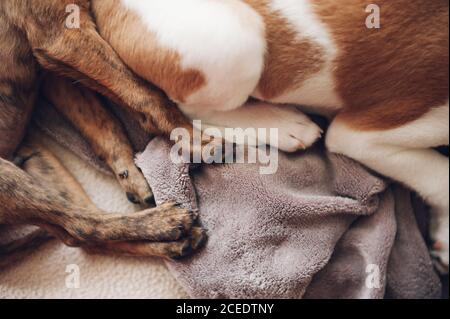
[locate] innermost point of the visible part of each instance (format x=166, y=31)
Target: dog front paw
x=184, y=248
x=170, y=222
x=296, y=130
x=135, y=186
x=299, y=136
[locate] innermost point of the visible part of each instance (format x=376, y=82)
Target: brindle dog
x=33, y=38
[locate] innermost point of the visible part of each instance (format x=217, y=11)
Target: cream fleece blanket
x=43, y=274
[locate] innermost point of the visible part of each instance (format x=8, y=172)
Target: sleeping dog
x=34, y=38
x=385, y=89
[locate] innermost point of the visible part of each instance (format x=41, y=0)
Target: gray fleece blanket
x=323, y=226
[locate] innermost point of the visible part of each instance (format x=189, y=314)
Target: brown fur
x=82, y=54
x=118, y=26
x=57, y=203
x=33, y=36
x=15, y=251
x=385, y=78
x=18, y=90
x=283, y=69
x=104, y=133
x=390, y=76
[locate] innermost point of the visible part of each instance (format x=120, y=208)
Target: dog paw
x=202, y=148
x=296, y=130
x=213, y=149
x=170, y=250
x=298, y=136
x=170, y=222
x=135, y=186
x=186, y=247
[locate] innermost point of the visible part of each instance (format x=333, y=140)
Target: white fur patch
x=296, y=131
x=320, y=89
x=222, y=39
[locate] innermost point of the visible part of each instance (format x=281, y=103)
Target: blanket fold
x=321, y=227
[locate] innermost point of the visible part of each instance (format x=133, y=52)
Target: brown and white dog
x=385, y=89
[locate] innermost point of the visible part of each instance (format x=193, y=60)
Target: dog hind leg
x=20, y=248
x=42, y=165
x=70, y=188
x=83, y=55
x=104, y=133
x=18, y=87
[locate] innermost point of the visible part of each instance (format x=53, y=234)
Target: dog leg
x=82, y=54
x=168, y=250
x=18, y=78
x=104, y=133
x=25, y=200
x=405, y=154
x=26, y=157
x=38, y=157
x=38, y=162
x=296, y=130
x=43, y=166
x=20, y=248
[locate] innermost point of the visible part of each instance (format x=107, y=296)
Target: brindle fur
x=33, y=37
x=104, y=132
x=57, y=203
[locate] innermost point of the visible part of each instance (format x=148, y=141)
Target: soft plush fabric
x=321, y=227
